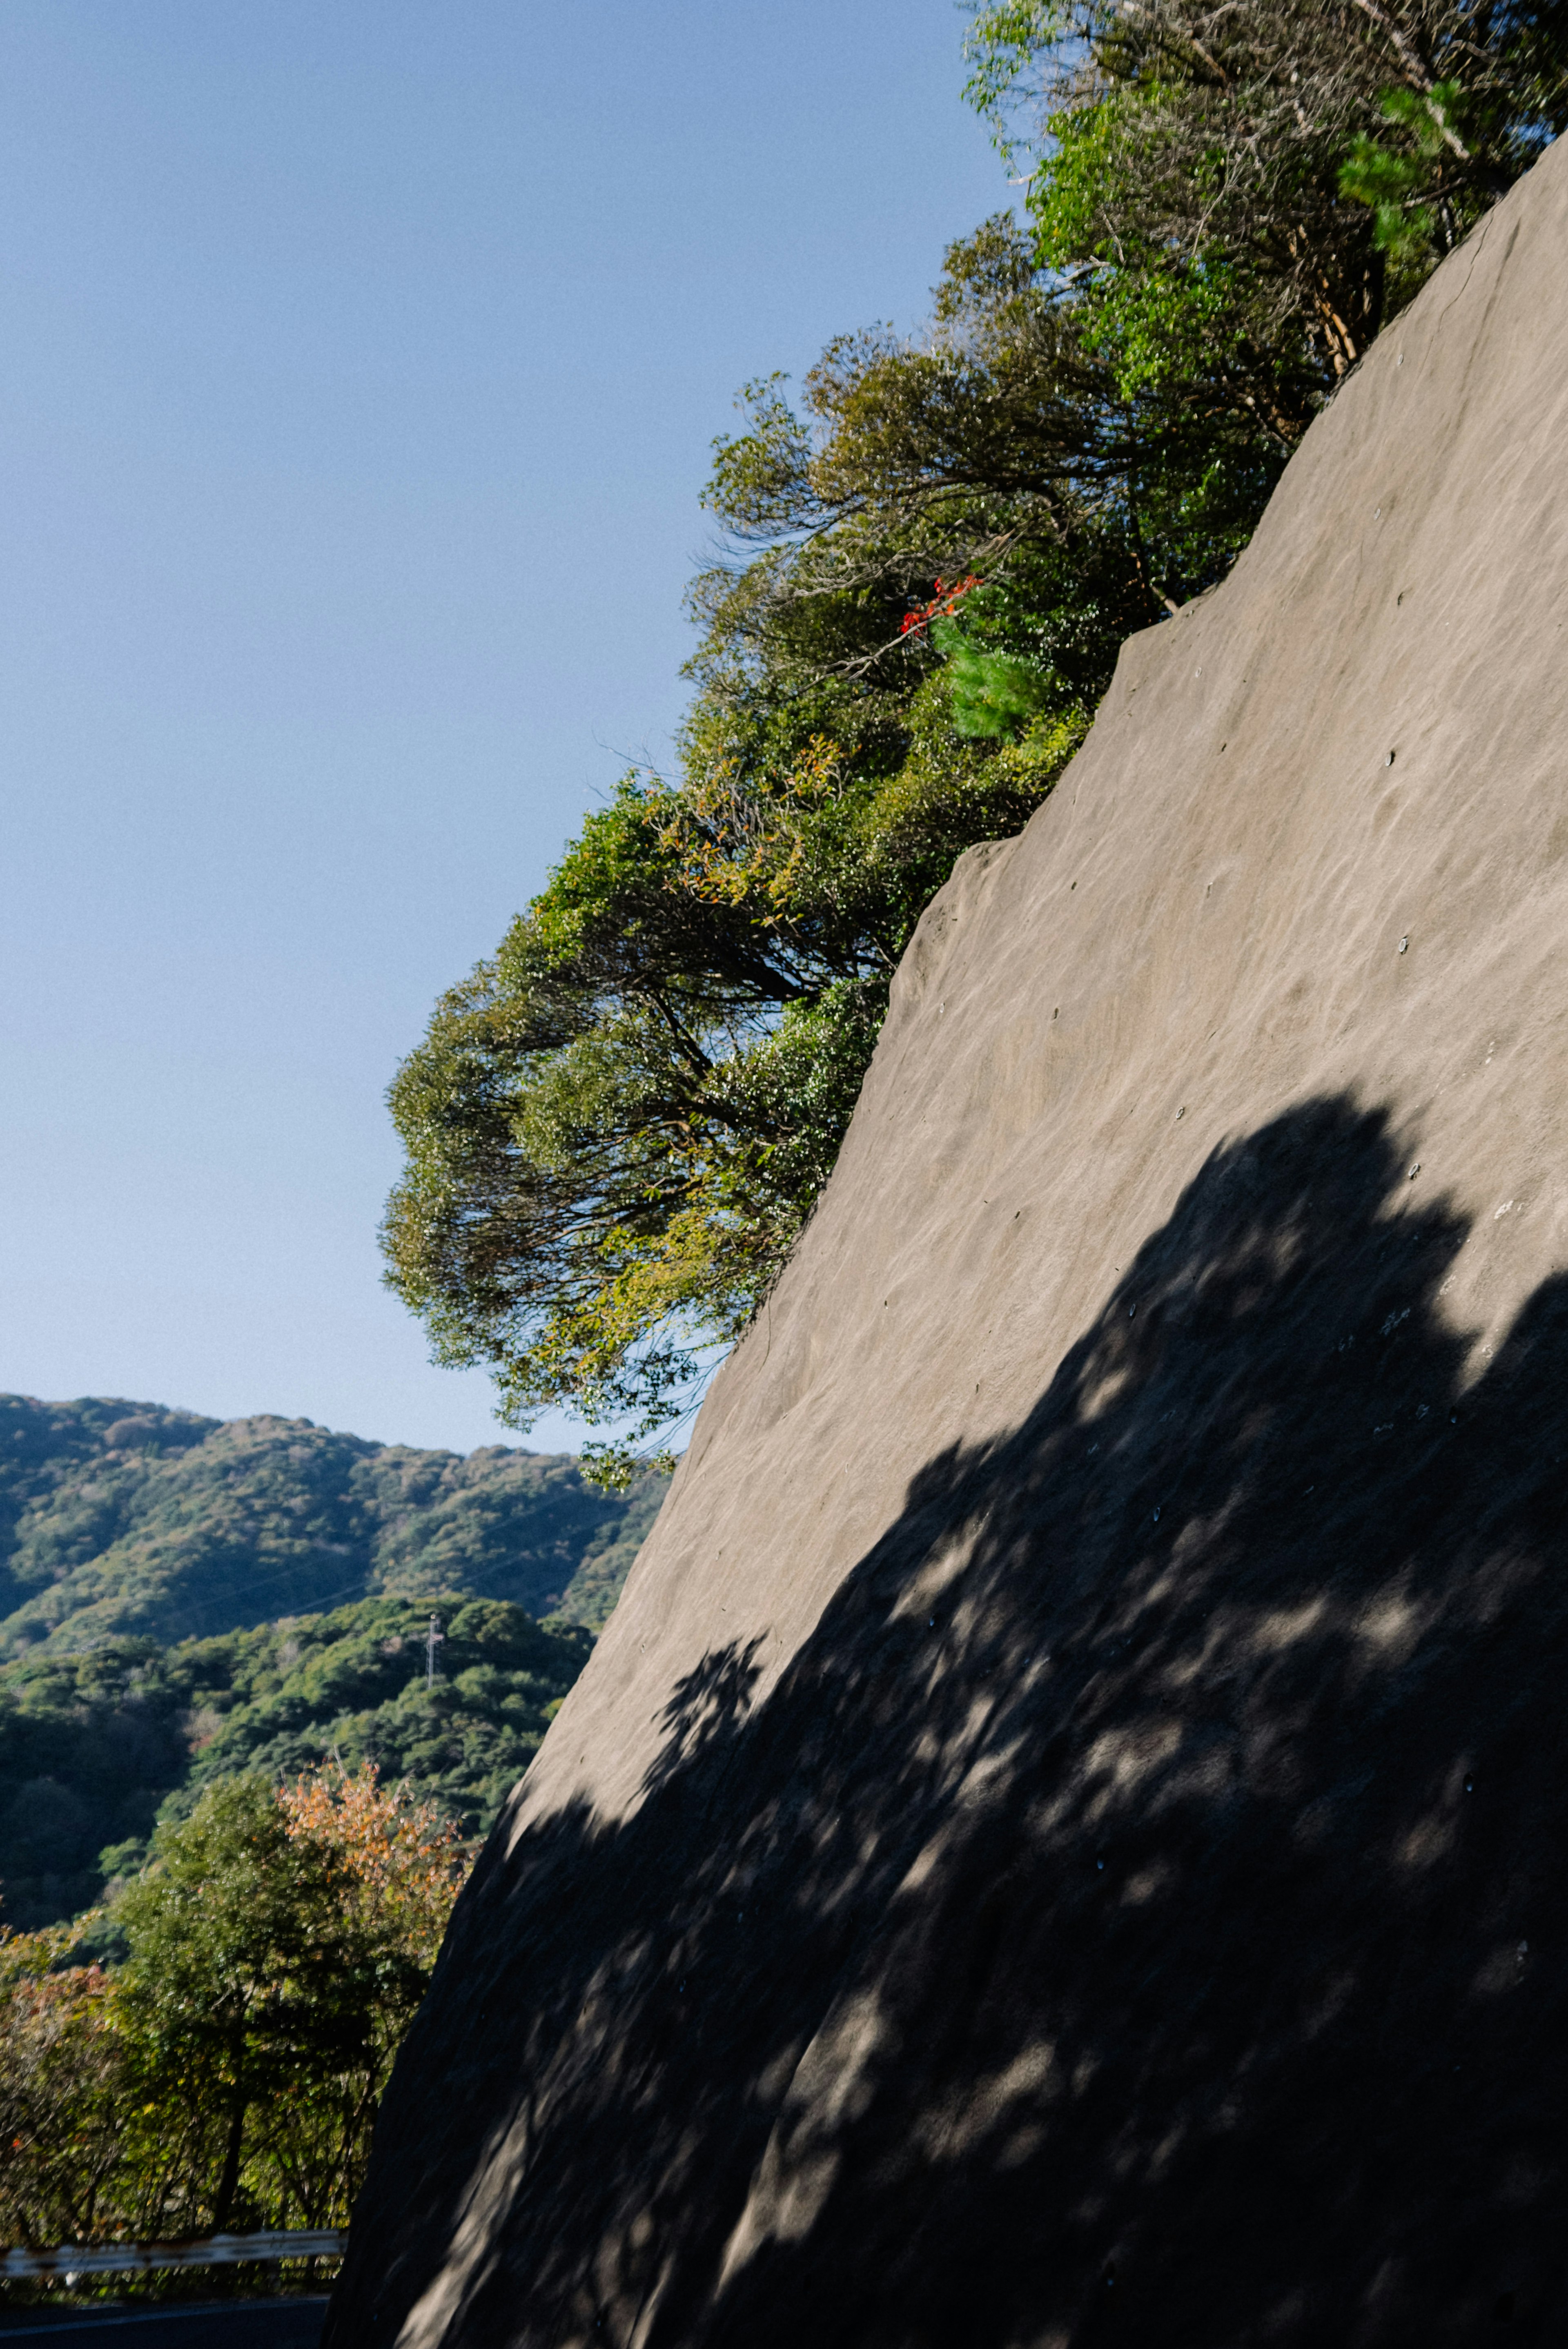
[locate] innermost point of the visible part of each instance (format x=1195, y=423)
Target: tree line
x=616, y=1126
x=226, y=1861
x=121, y=1519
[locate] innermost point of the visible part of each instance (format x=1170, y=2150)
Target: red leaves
x=942, y=605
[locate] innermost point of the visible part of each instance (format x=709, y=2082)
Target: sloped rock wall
x=1065, y=1839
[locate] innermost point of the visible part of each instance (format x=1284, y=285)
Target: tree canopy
x=227, y=2072
x=1247, y=192
x=616, y=1127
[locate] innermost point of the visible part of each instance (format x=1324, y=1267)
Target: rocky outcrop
x=1085, y=1861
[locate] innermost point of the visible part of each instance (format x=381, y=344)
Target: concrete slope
x=1065, y=1838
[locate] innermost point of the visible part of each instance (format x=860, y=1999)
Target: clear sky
x=359, y=364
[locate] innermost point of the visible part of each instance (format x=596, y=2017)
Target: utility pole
x=434, y=1638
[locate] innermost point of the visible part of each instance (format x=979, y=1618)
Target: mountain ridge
x=121, y=1518
x=184, y=1598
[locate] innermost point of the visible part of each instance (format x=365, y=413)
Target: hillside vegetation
x=189, y=1600
x=225, y=2069
x=95, y=1747
x=263, y=1687
x=122, y=1518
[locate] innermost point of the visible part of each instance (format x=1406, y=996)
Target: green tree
x=616, y=1128
x=1244, y=190
x=63, y=2079
x=229, y=2072
x=261, y=2000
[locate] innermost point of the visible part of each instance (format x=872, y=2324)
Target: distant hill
x=121, y=1518
x=183, y=1599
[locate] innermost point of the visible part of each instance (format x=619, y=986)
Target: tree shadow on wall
x=1137, y=1914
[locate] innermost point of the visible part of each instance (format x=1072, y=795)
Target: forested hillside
x=187, y=1599
x=95, y=1746
x=123, y=1518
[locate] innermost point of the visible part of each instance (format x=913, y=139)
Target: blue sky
x=359, y=366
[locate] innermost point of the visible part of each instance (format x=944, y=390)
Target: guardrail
x=72, y=2259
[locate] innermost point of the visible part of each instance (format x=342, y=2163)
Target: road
x=234, y=2325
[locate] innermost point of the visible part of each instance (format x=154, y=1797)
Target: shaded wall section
x=1085, y=1864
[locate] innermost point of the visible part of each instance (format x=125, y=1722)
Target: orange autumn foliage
x=405, y=1861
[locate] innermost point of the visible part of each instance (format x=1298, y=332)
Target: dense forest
x=265, y=1686
x=224, y=2070
x=120, y=1518
x=189, y=1601
x=95, y=1747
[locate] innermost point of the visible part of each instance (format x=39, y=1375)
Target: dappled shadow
x=1136, y=1913
x=709, y=1702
